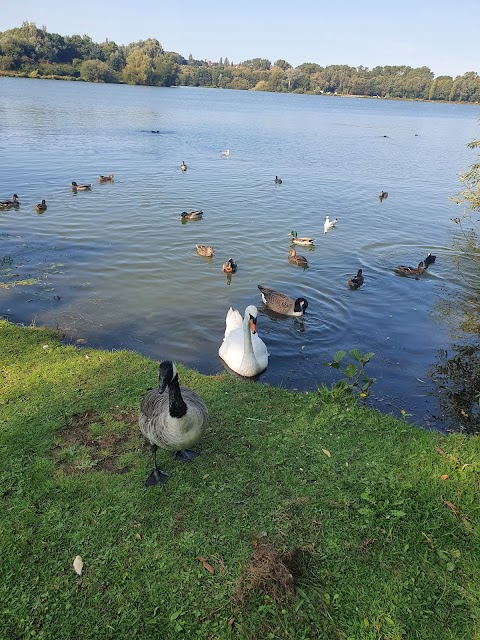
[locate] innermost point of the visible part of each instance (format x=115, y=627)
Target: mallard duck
x=225, y=153
x=173, y=421
x=302, y=240
x=296, y=259
x=402, y=270
x=183, y=166
x=108, y=178
x=356, y=281
x=80, y=187
x=230, y=266
x=41, y=207
x=278, y=180
x=242, y=349
x=329, y=224
x=191, y=215
x=429, y=260
x=203, y=250
x=280, y=303
x=14, y=203
x=383, y=195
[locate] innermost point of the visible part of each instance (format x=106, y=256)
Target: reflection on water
x=456, y=371
x=131, y=276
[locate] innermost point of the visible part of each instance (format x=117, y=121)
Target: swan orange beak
x=253, y=325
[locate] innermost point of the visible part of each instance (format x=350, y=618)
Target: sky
x=439, y=34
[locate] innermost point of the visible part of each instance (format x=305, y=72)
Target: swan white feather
x=244, y=352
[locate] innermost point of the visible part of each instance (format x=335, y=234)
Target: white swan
x=225, y=153
x=242, y=350
x=329, y=224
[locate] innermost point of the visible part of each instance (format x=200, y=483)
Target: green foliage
x=469, y=196
x=380, y=518
x=29, y=50
x=355, y=380
x=96, y=71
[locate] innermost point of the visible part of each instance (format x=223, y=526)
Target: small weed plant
x=355, y=379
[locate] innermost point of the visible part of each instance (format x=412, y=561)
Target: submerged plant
x=456, y=377
x=355, y=380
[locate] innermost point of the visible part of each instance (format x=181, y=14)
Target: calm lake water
x=116, y=267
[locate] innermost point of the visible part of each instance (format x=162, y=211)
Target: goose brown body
x=281, y=303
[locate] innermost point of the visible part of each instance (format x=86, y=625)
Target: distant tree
x=165, y=70
x=257, y=64
x=282, y=64
x=96, y=71
x=226, y=62
x=138, y=68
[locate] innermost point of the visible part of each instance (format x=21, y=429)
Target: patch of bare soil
x=99, y=452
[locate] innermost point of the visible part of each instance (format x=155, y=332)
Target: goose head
x=167, y=372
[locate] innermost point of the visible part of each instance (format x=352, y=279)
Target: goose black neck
x=176, y=404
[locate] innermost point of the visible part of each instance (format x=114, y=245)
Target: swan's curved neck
x=249, y=361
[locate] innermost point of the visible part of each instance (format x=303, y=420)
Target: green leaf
x=356, y=354
x=365, y=511
x=450, y=566
x=351, y=370
x=367, y=357
x=339, y=355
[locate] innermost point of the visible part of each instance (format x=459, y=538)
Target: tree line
x=34, y=52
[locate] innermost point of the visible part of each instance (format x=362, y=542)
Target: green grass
x=384, y=547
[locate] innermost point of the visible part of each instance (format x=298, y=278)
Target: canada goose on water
x=41, y=207
x=174, y=421
x=383, y=195
x=183, y=166
x=278, y=180
x=242, y=349
x=356, y=281
x=280, y=303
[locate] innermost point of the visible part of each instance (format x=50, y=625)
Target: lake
x=115, y=267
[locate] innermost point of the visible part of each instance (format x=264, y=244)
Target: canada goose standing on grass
x=280, y=303
x=174, y=421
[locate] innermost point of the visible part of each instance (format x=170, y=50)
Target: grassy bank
x=314, y=518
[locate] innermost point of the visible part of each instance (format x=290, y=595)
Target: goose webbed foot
x=185, y=455
x=156, y=477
